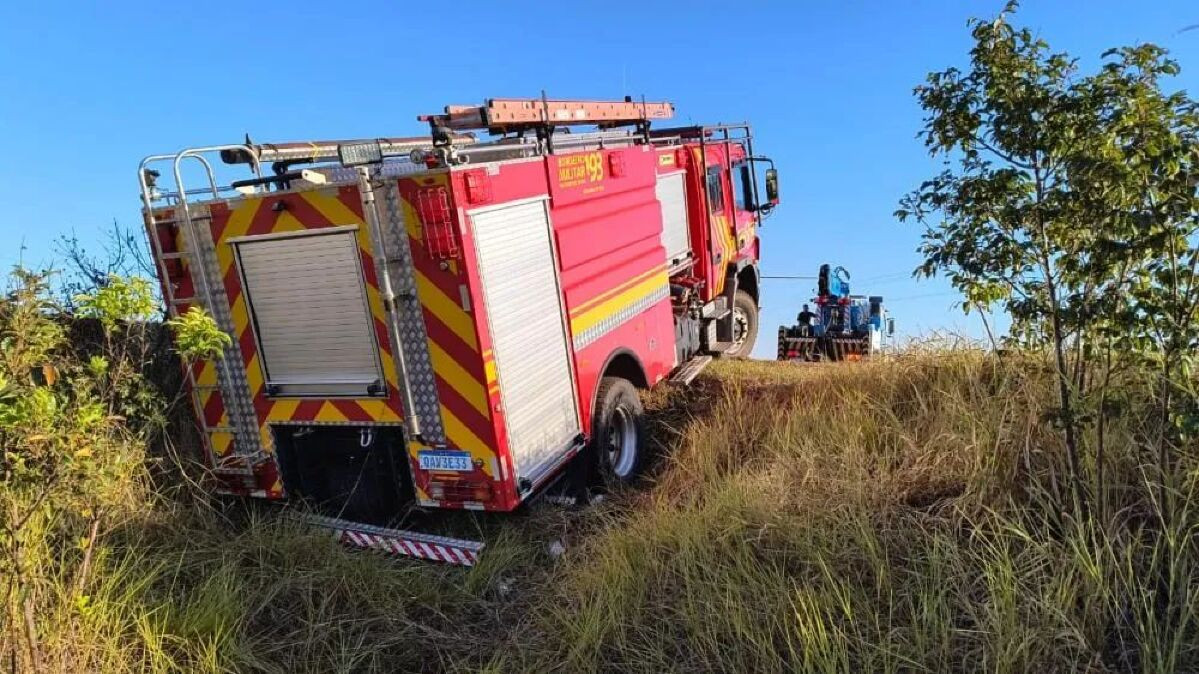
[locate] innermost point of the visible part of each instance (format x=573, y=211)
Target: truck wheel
x=745, y=325
x=618, y=432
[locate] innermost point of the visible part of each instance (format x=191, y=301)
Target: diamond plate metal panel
x=409, y=320
x=235, y=389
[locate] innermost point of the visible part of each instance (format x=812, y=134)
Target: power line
x=919, y=297
x=886, y=277
x=868, y=279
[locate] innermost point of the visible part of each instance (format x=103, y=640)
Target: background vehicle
x=845, y=326
x=451, y=319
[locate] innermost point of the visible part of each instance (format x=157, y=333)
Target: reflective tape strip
x=399, y=542
x=614, y=320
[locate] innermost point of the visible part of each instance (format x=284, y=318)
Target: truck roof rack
x=318, y=150
x=499, y=115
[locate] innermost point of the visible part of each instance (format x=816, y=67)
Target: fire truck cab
x=451, y=319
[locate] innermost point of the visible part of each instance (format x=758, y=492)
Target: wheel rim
x=740, y=328
x=622, y=443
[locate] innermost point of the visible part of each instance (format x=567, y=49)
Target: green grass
x=894, y=516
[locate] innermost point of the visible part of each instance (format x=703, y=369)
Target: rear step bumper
x=398, y=541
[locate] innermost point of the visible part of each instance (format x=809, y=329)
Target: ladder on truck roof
x=499, y=115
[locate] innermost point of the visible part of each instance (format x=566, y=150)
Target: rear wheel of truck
x=745, y=325
x=618, y=432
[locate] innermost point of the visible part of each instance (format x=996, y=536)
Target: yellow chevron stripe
x=204, y=398
x=599, y=313
x=254, y=375
x=379, y=410
x=266, y=439
x=446, y=309
x=489, y=372
x=376, y=304
x=411, y=220
x=282, y=410
x=286, y=222
x=238, y=223
x=388, y=368
x=414, y=448
x=328, y=412
x=583, y=306
x=221, y=442
x=240, y=314
x=461, y=437
x=724, y=237
x=207, y=375
x=457, y=377
x=332, y=208
x=730, y=240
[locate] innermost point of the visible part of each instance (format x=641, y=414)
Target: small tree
x=69, y=455
x=1069, y=203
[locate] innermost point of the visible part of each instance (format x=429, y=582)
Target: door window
x=715, y=190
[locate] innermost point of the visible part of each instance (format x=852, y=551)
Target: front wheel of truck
x=745, y=325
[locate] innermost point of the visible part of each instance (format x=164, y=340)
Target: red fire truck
x=454, y=318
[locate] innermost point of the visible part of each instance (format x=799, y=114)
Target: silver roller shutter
x=309, y=310
x=528, y=333
x=676, y=236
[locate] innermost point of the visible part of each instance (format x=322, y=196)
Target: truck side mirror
x=890, y=327
x=772, y=186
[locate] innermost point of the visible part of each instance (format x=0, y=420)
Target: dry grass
x=891, y=516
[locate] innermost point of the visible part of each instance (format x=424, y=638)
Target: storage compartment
x=357, y=473
x=676, y=237
x=308, y=305
x=528, y=333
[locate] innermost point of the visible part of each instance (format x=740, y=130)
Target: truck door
x=720, y=238
x=745, y=217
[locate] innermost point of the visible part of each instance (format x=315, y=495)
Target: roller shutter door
x=676, y=237
x=309, y=310
x=528, y=333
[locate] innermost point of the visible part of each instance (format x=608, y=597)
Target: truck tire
x=618, y=443
x=745, y=325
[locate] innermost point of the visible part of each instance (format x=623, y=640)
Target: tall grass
x=893, y=516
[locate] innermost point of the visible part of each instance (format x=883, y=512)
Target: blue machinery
x=842, y=326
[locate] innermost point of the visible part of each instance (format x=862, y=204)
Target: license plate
x=444, y=460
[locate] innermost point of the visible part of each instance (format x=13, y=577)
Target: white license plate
x=444, y=460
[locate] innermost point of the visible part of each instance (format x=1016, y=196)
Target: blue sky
x=90, y=88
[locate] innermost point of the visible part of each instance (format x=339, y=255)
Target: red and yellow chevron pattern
x=465, y=371
x=270, y=214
